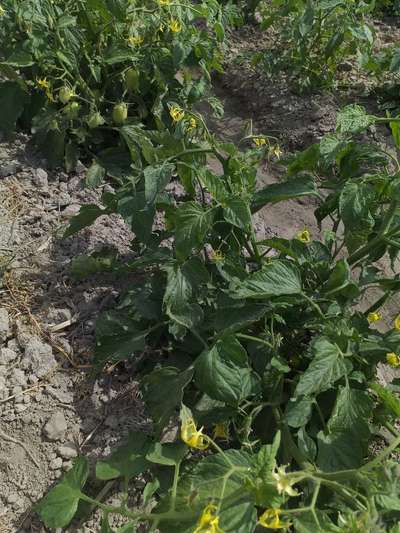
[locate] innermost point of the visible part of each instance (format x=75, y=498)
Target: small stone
x=67, y=451
x=17, y=392
x=9, y=169
x=71, y=210
x=56, y=426
x=38, y=357
x=18, y=377
x=56, y=463
x=7, y=355
x=12, y=498
x=20, y=408
x=67, y=465
x=40, y=178
x=4, y=324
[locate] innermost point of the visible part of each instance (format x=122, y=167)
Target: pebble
x=18, y=377
x=56, y=463
x=40, y=178
x=9, y=169
x=4, y=324
x=38, y=357
x=67, y=451
x=56, y=426
x=7, y=355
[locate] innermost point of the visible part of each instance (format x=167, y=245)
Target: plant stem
x=314, y=305
x=379, y=458
x=255, y=339
x=377, y=240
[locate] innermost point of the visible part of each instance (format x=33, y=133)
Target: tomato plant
x=74, y=70
x=312, y=38
x=261, y=344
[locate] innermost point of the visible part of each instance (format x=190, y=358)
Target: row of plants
x=72, y=72
x=260, y=345
x=314, y=41
x=256, y=348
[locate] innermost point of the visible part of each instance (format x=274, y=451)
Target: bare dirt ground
x=51, y=406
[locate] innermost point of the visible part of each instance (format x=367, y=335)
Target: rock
x=38, y=357
x=56, y=463
x=71, y=210
x=56, y=427
x=7, y=355
x=18, y=377
x=4, y=324
x=67, y=451
x=9, y=169
x=40, y=178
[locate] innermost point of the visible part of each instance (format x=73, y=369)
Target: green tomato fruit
x=72, y=110
x=95, y=120
x=132, y=79
x=120, y=113
x=65, y=94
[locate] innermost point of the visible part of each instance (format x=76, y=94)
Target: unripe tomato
x=72, y=110
x=65, y=94
x=120, y=113
x=95, y=120
x=132, y=79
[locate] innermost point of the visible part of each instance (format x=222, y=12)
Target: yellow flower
x=177, y=114
x=284, y=482
x=209, y=520
x=2, y=11
x=164, y=2
x=397, y=323
x=304, y=236
x=49, y=95
x=192, y=123
x=42, y=83
x=393, y=359
x=135, y=40
x=270, y=520
x=259, y=141
x=276, y=150
x=193, y=437
x=175, y=26
x=217, y=256
x=374, y=317
x=221, y=431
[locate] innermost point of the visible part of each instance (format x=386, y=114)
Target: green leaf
x=20, y=59
x=346, y=442
x=327, y=366
x=156, y=179
x=275, y=279
x=298, y=412
x=86, y=216
x=117, y=337
x=306, y=523
x=192, y=223
x=237, y=213
x=163, y=392
x=224, y=374
x=136, y=138
x=353, y=119
x=149, y=490
x=340, y=281
x=12, y=101
x=278, y=192
x=389, y=400
x=138, y=214
x=168, y=454
x=95, y=175
x=59, y=506
x=355, y=202
x=126, y=461
x=214, y=184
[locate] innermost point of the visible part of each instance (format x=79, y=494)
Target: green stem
x=314, y=305
x=288, y=439
x=255, y=339
x=379, y=458
x=175, y=486
x=376, y=241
